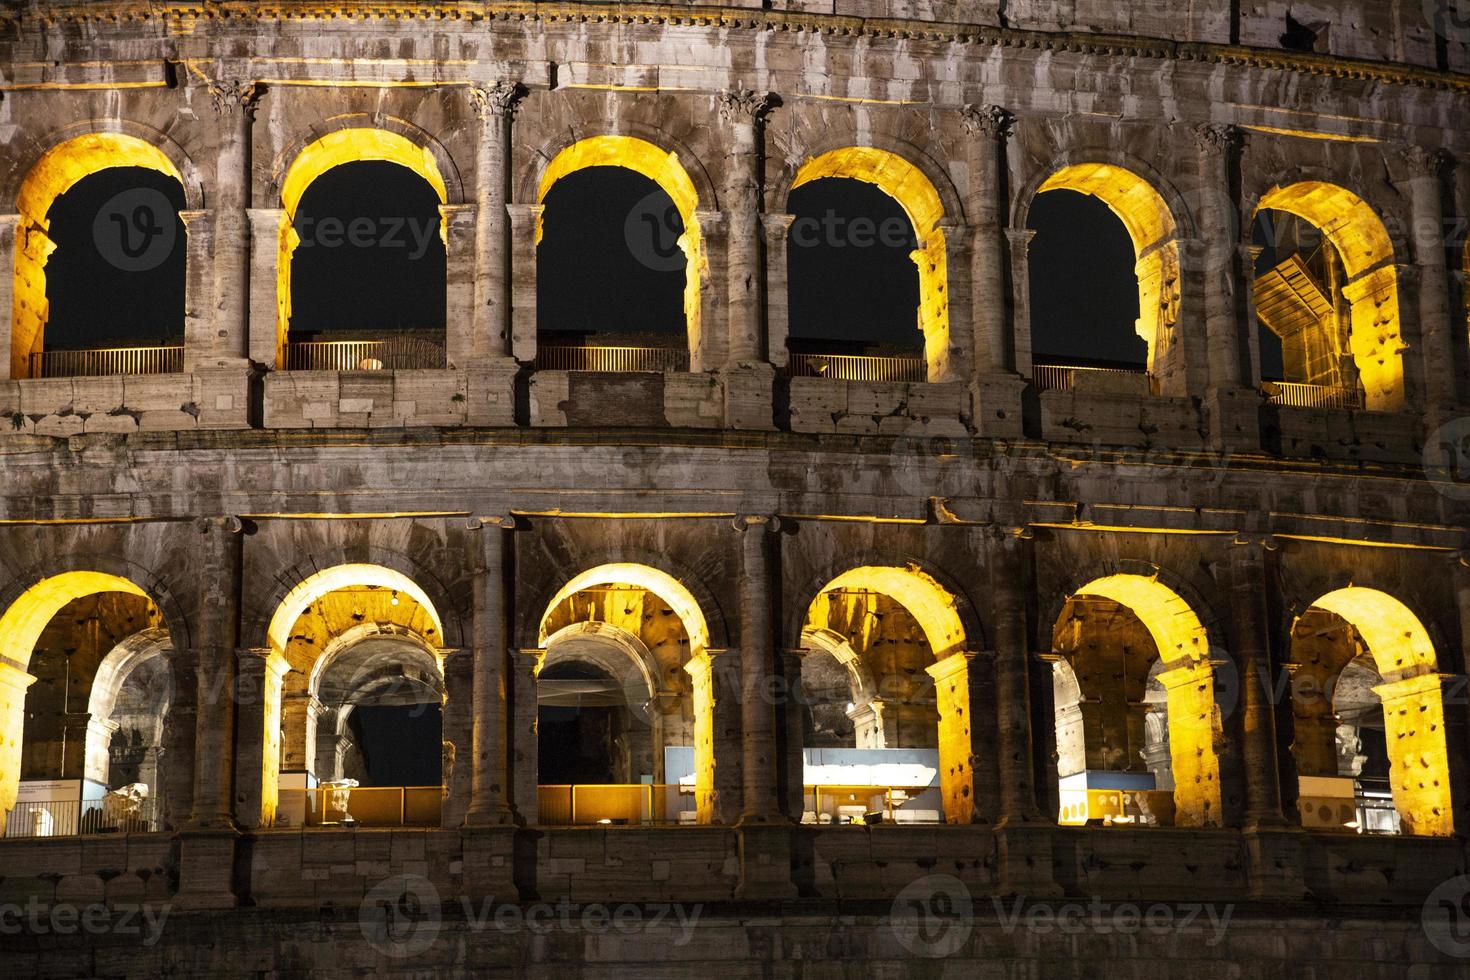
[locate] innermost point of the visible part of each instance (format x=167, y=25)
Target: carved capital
x=232, y=97
x=498, y=100
x=1422, y=162
x=744, y=106
x=1218, y=137
x=987, y=120
x=757, y=522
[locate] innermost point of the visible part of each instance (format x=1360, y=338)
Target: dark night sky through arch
x=1084, y=296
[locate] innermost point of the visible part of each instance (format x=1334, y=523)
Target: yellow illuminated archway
x=1357, y=233
x=349, y=576
x=1189, y=683
x=933, y=606
x=352, y=145
x=664, y=169
x=673, y=592
x=915, y=193
x=20, y=630
x=1154, y=234
x=1413, y=705
x=53, y=175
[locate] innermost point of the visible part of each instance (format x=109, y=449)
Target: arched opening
x=1104, y=298
x=873, y=725
x=819, y=266
x=352, y=713
x=618, y=239
x=1326, y=297
x=362, y=251
x=125, y=749
x=99, y=261
x=1368, y=718
x=853, y=286
x=54, y=641
x=1134, y=696
x=625, y=702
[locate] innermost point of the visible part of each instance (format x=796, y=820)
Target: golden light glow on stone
x=1188, y=681
x=349, y=576
x=1152, y=228
x=662, y=584
x=1413, y=705
x=20, y=631
x=353, y=145
x=931, y=604
x=664, y=169
x=53, y=175
x=1361, y=240
x=914, y=192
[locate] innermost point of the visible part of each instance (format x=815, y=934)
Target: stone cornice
x=187, y=13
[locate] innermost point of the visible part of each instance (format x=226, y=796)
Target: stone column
x=525, y=744
x=777, y=228
x=524, y=220
x=759, y=599
x=489, y=778
x=495, y=105
x=267, y=339
x=1220, y=231
x=989, y=127
x=1436, y=327
x=201, y=322
x=964, y=695
x=258, y=736
x=13, y=684
x=791, y=749
x=458, y=224
x=10, y=366
x=743, y=113
x=715, y=680
x=1010, y=572
x=207, y=842
x=1250, y=637
x=235, y=103
x=215, y=627
x=1020, y=248
x=456, y=735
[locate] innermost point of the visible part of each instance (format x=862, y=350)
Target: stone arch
x=1412, y=693
x=351, y=140
x=917, y=194
x=26, y=616
x=666, y=169
x=256, y=623
x=861, y=684
x=930, y=588
x=112, y=673
x=314, y=586
x=79, y=152
x=1185, y=671
x=1368, y=253
x=655, y=580
x=632, y=664
x=1156, y=221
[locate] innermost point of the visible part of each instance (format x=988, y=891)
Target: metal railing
x=612, y=359
x=104, y=361
x=615, y=804
x=1294, y=395
x=852, y=367
x=1063, y=377
x=368, y=806
x=392, y=354
x=854, y=804
x=70, y=818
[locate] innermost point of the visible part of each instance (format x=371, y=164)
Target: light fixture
x=394, y=600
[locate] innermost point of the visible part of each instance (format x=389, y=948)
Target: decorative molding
x=234, y=96
x=498, y=100
x=745, y=106
x=987, y=120
x=1218, y=137
x=1423, y=162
